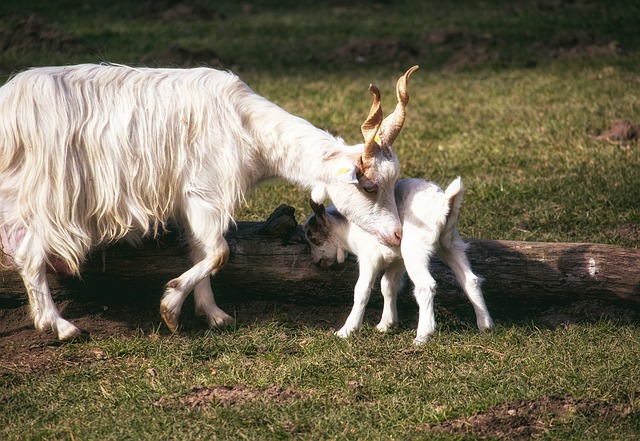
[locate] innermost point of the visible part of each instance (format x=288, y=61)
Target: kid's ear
x=318, y=209
x=347, y=172
x=342, y=255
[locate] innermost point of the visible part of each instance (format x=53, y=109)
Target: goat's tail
x=453, y=194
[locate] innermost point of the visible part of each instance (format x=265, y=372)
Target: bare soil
x=179, y=56
x=31, y=33
x=622, y=131
x=228, y=396
x=184, y=11
x=24, y=349
x=578, y=43
x=461, y=48
x=520, y=420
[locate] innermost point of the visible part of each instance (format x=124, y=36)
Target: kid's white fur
x=430, y=225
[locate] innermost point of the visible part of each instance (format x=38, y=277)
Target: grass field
x=512, y=96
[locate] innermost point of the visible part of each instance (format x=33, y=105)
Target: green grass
x=519, y=128
x=371, y=384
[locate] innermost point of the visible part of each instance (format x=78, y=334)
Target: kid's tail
x=454, y=194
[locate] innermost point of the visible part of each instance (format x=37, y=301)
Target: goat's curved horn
x=372, y=125
x=392, y=124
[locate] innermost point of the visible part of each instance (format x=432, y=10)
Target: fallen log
x=270, y=260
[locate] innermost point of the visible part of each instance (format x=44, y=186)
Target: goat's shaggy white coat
x=430, y=225
x=91, y=154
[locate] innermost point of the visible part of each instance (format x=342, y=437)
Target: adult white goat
x=91, y=154
x=430, y=224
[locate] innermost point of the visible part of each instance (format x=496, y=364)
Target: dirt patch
x=578, y=43
x=630, y=232
x=621, y=131
x=20, y=34
x=184, y=57
x=551, y=6
x=522, y=419
x=183, y=11
x=24, y=349
x=459, y=49
x=376, y=51
x=465, y=48
x=229, y=396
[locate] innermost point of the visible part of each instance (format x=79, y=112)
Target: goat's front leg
x=210, y=252
x=361, y=295
x=197, y=277
x=206, y=304
x=425, y=289
x=390, y=284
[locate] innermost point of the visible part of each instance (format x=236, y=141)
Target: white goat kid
x=91, y=154
x=430, y=225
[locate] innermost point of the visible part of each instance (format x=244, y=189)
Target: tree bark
x=270, y=260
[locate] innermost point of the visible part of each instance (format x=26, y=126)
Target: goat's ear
x=342, y=255
x=348, y=172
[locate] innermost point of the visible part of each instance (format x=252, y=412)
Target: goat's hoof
x=75, y=337
x=66, y=331
x=216, y=317
x=220, y=320
x=342, y=333
x=384, y=327
x=170, y=318
x=83, y=336
x=421, y=340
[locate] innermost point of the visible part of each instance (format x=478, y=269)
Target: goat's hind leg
x=453, y=254
x=31, y=261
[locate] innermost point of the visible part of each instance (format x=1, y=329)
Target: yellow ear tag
x=343, y=170
x=376, y=138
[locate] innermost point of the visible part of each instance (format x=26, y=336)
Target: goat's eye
x=371, y=189
x=367, y=184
